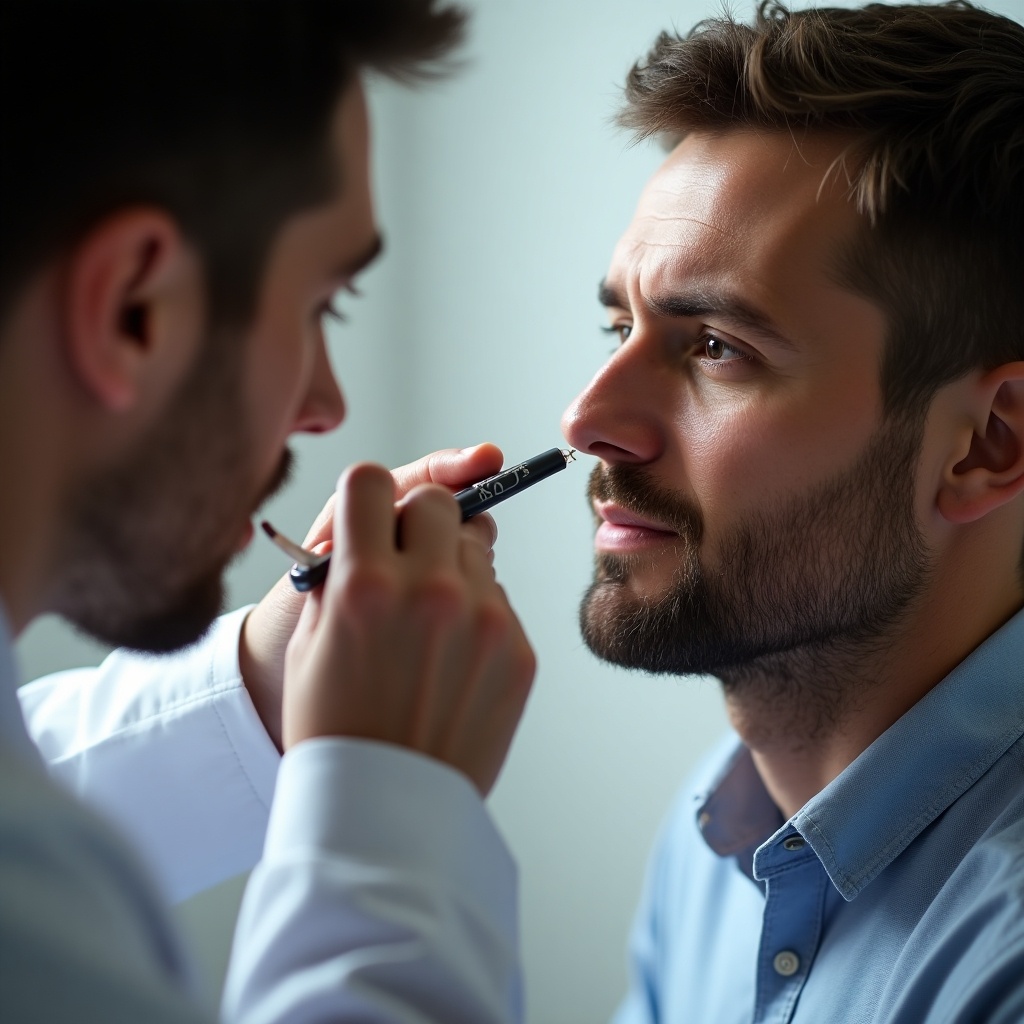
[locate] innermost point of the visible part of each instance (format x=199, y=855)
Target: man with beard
x=811, y=485
x=184, y=189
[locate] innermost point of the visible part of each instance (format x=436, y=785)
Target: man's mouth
x=621, y=530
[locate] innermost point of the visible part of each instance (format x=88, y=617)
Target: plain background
x=501, y=193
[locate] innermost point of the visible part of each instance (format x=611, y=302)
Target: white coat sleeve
x=171, y=749
x=384, y=896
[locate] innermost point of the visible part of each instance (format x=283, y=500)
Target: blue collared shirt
x=895, y=896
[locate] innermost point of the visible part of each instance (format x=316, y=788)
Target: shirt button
x=794, y=843
x=786, y=963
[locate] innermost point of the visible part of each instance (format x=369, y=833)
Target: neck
x=27, y=515
x=807, y=714
x=35, y=456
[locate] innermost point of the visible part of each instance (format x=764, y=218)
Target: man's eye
x=720, y=351
x=329, y=311
x=621, y=331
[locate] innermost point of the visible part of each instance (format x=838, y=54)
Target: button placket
x=792, y=927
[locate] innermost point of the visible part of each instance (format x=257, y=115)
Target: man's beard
x=799, y=590
x=148, y=541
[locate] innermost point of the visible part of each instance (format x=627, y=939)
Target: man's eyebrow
x=700, y=302
x=363, y=259
x=609, y=296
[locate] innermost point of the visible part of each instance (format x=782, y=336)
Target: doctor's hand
x=269, y=626
x=410, y=640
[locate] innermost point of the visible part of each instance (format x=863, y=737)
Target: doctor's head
x=184, y=191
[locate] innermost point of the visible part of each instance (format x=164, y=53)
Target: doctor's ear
x=133, y=306
x=992, y=471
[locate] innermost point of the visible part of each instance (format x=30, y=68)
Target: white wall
x=501, y=195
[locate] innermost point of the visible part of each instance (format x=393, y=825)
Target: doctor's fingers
x=451, y=467
x=482, y=721
x=429, y=529
x=481, y=671
x=476, y=560
x=483, y=528
x=364, y=516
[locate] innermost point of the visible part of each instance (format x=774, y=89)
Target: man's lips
x=616, y=515
x=623, y=530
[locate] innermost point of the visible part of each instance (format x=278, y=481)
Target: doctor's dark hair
x=217, y=111
x=932, y=99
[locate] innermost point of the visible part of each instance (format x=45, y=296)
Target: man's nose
x=324, y=407
x=616, y=416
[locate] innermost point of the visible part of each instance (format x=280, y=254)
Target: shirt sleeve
x=84, y=936
x=171, y=749
x=384, y=895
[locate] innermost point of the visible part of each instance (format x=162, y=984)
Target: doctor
x=184, y=200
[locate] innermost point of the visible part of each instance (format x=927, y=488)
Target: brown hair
x=934, y=96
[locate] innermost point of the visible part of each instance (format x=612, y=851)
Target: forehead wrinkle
x=654, y=267
x=680, y=218
x=671, y=289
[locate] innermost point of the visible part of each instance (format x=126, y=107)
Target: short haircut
x=217, y=111
x=933, y=96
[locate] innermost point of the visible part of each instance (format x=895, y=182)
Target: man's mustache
x=281, y=478
x=632, y=487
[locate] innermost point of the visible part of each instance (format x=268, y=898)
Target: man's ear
x=992, y=472
x=130, y=290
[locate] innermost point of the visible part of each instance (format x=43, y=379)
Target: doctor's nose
x=324, y=406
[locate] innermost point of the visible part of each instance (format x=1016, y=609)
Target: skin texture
x=717, y=441
x=160, y=442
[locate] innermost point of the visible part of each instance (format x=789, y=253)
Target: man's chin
x=667, y=634
x=611, y=623
x=180, y=625
x=637, y=578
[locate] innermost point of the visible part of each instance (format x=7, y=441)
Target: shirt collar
x=862, y=820
x=14, y=737
x=736, y=811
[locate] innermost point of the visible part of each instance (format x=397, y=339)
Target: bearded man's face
x=753, y=496
x=836, y=565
